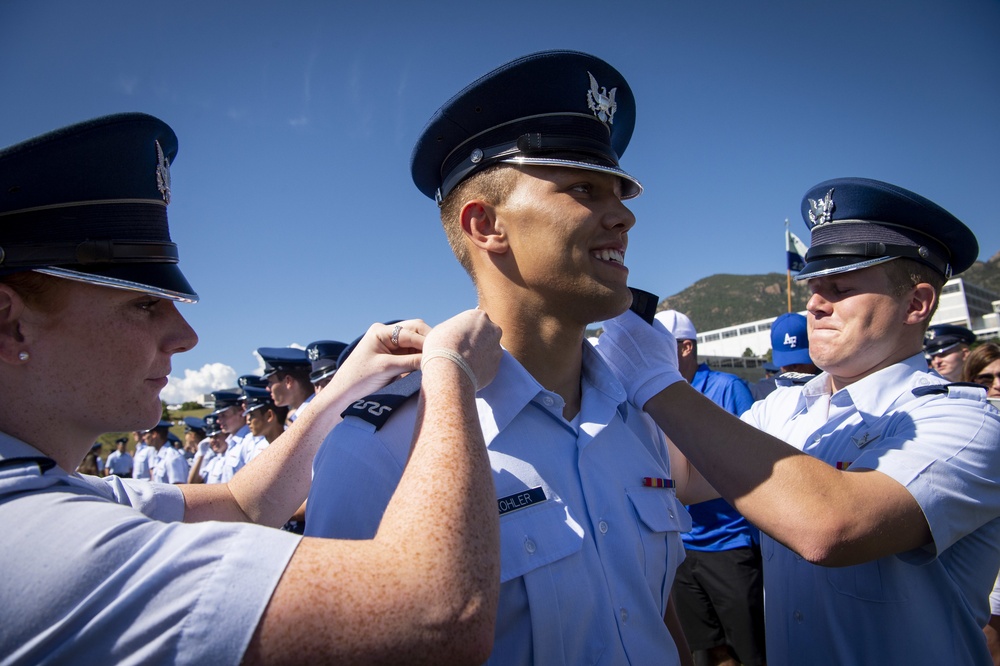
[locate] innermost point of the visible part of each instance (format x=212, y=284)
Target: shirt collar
x=874, y=395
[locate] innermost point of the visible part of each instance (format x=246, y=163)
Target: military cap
x=162, y=425
x=226, y=399
x=323, y=355
x=212, y=427
x=89, y=203
x=193, y=423
x=251, y=380
x=257, y=398
x=556, y=108
x=859, y=222
x=282, y=359
x=790, y=340
x=943, y=337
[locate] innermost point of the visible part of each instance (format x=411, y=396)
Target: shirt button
x=529, y=545
x=624, y=614
x=548, y=401
x=603, y=526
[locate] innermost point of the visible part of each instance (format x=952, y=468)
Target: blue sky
x=292, y=201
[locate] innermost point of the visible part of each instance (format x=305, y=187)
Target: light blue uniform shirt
x=924, y=606
x=142, y=463
x=99, y=571
x=588, y=553
x=170, y=466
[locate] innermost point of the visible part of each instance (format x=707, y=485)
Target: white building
x=962, y=304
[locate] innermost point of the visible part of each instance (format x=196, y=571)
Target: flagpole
x=788, y=274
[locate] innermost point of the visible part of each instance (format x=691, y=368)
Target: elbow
x=826, y=543
x=463, y=632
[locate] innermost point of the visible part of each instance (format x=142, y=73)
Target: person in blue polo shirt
x=719, y=588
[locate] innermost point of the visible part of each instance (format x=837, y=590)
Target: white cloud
x=211, y=377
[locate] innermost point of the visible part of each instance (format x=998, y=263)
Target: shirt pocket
x=871, y=581
x=660, y=520
x=537, y=536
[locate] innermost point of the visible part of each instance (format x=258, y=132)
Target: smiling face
x=100, y=362
x=857, y=326
x=567, y=231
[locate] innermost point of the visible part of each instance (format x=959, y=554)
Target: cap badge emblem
x=313, y=353
x=821, y=212
x=162, y=173
x=601, y=101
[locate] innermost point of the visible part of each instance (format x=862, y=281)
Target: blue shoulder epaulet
x=793, y=378
x=940, y=389
x=378, y=407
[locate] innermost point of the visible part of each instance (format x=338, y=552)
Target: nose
x=817, y=305
x=178, y=334
x=620, y=216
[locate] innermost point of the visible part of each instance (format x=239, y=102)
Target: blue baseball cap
x=257, y=398
x=790, y=340
x=555, y=108
x=860, y=222
x=88, y=203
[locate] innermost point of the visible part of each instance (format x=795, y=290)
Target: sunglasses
x=986, y=379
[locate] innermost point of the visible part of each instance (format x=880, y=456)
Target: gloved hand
x=204, y=448
x=643, y=357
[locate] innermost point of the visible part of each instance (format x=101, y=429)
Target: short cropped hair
x=492, y=185
x=904, y=274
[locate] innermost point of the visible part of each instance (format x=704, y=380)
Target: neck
x=549, y=349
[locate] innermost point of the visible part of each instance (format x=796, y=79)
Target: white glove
x=204, y=447
x=643, y=357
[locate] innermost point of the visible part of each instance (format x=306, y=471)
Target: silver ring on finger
x=394, y=338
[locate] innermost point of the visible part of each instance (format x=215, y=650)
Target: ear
x=480, y=225
x=12, y=342
x=685, y=347
x=921, y=304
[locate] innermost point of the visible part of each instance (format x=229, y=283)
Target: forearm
x=824, y=514
x=449, y=461
x=273, y=485
x=425, y=589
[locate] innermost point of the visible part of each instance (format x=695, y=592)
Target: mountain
x=724, y=300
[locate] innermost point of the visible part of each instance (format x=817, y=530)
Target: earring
x=23, y=356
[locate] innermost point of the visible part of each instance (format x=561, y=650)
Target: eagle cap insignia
x=162, y=173
x=601, y=101
x=313, y=353
x=821, y=212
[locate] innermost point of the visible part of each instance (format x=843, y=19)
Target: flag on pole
x=796, y=251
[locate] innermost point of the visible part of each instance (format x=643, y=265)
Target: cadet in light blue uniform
x=589, y=521
x=882, y=543
x=102, y=570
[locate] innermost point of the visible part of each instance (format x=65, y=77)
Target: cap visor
x=834, y=265
x=162, y=280
x=631, y=187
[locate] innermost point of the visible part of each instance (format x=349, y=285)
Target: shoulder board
x=378, y=407
x=954, y=390
x=793, y=378
x=44, y=464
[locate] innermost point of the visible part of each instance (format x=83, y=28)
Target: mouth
x=612, y=255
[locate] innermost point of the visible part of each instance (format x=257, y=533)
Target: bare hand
x=474, y=338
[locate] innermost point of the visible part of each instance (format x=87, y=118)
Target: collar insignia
x=601, y=101
x=162, y=173
x=864, y=440
x=821, y=212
